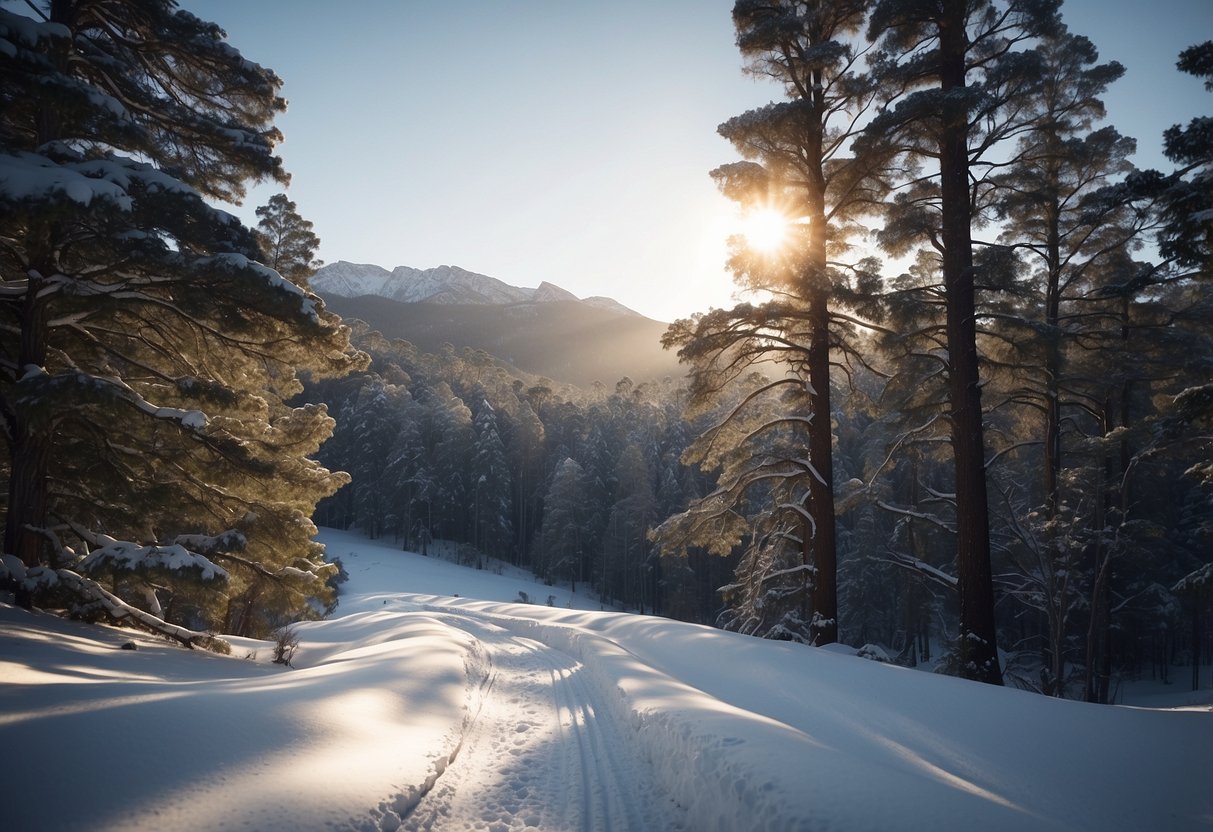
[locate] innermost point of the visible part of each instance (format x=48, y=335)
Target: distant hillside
x=443, y=284
x=565, y=340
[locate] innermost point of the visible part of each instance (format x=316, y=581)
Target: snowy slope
x=351, y=279
x=609, y=304
x=551, y=293
x=419, y=709
x=442, y=284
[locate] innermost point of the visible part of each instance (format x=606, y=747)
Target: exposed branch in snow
x=117, y=609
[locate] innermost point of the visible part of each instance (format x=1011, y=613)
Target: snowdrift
x=735, y=733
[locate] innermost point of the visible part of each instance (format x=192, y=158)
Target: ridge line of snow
x=396, y=810
x=443, y=285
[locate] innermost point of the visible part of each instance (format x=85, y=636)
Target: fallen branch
x=119, y=610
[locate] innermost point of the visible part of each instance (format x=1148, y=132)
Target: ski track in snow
x=543, y=752
x=420, y=710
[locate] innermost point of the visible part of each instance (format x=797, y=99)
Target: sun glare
x=765, y=229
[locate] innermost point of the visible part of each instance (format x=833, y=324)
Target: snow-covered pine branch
x=932, y=573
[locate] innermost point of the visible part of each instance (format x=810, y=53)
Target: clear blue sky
x=571, y=141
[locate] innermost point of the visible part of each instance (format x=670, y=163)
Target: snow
x=192, y=419
x=121, y=554
x=431, y=701
x=610, y=305
x=230, y=261
x=29, y=176
x=441, y=284
x=21, y=30
x=551, y=293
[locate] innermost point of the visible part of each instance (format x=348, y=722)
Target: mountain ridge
x=567, y=341
x=443, y=285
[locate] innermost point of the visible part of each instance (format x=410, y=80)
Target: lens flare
x=765, y=230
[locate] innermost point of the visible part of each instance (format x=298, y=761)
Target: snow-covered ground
x=417, y=709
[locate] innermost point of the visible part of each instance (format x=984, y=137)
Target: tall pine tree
x=798, y=167
x=146, y=356
x=955, y=72
x=1058, y=206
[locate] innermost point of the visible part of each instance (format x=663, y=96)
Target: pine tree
x=625, y=545
x=1176, y=451
x=491, y=477
x=1188, y=202
x=288, y=244
x=369, y=436
x=957, y=63
x=561, y=544
x=797, y=167
x=147, y=356
x=526, y=462
x=449, y=437
x=1060, y=204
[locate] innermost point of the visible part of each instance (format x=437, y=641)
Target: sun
x=764, y=229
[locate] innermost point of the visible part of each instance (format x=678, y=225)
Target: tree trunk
x=821, y=436
x=977, y=640
x=1057, y=604
x=1195, y=641
x=1052, y=372
x=913, y=615
x=30, y=443
x=821, y=487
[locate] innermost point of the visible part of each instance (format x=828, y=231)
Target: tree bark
x=977, y=640
x=30, y=438
x=821, y=435
x=821, y=487
x=30, y=441
x=1195, y=640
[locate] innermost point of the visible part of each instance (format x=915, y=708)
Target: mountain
x=546, y=331
x=551, y=293
x=565, y=340
x=609, y=304
x=443, y=284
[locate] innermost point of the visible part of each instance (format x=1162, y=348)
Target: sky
x=571, y=142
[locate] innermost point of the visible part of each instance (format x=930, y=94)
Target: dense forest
x=1017, y=445
x=963, y=417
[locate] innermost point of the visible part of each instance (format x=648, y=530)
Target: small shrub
x=286, y=642
x=339, y=577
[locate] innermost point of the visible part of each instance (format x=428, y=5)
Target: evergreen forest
x=964, y=415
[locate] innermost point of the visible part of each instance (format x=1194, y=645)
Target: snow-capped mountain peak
x=550, y=293
x=442, y=284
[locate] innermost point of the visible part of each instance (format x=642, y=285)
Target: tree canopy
x=147, y=357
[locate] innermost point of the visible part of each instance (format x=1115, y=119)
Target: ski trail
x=543, y=753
